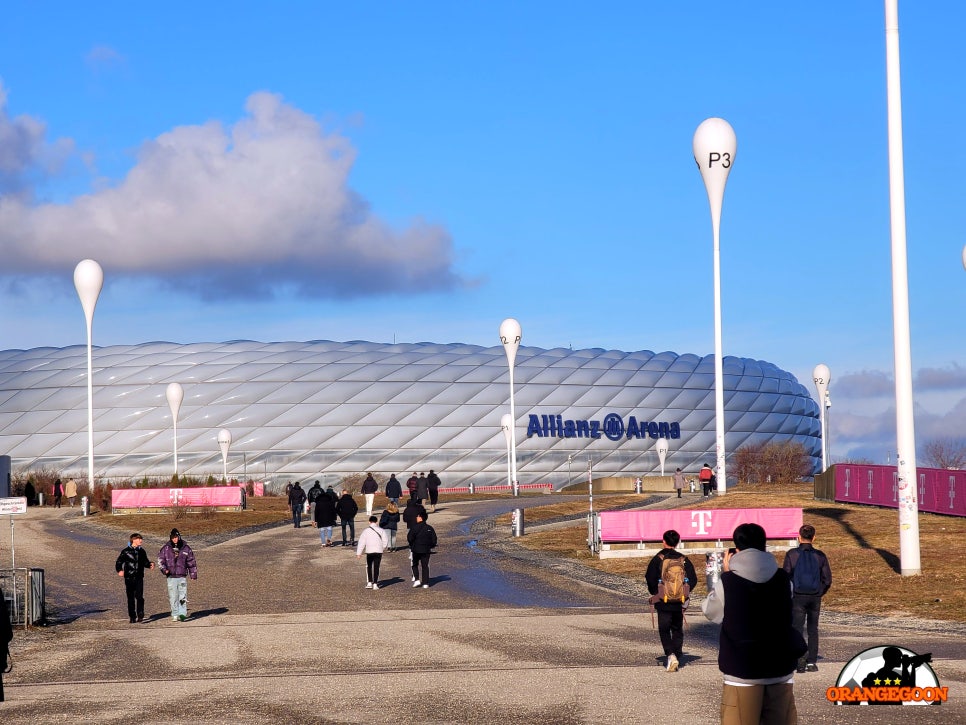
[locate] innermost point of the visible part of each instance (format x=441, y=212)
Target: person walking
x=324, y=517
x=389, y=521
x=177, y=563
x=432, y=486
x=393, y=489
x=58, y=493
x=669, y=577
x=29, y=492
x=71, y=491
x=130, y=564
x=369, y=490
x=347, y=508
x=330, y=492
x=811, y=576
x=679, y=480
x=422, y=541
x=758, y=647
x=372, y=542
x=412, y=484
x=296, y=499
x=313, y=495
x=422, y=489
x=412, y=510
x=705, y=476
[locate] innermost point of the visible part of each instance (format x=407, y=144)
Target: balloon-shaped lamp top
x=510, y=336
x=715, y=147
x=661, y=446
x=822, y=376
x=88, y=281
x=224, y=440
x=174, y=394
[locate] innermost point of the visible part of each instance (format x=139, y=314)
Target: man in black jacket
x=130, y=564
x=670, y=613
x=347, y=508
x=296, y=499
x=422, y=541
x=758, y=647
x=809, y=584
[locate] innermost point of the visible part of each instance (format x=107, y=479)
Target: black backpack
x=807, y=574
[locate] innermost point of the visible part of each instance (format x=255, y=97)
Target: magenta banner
x=142, y=498
x=938, y=490
x=703, y=525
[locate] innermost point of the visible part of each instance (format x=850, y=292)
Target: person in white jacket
x=373, y=541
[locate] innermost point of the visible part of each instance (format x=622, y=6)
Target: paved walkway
x=284, y=630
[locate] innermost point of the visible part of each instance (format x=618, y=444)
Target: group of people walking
x=177, y=563
x=768, y=616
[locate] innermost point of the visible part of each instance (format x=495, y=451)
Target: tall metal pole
x=510, y=336
x=506, y=423
x=175, y=394
x=821, y=376
x=88, y=281
x=909, y=562
x=715, y=147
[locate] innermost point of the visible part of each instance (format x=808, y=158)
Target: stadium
x=323, y=410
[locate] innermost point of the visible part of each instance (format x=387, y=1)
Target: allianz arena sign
x=611, y=427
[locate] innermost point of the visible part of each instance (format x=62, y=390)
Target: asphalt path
x=282, y=629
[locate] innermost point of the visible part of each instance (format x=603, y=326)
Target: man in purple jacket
x=177, y=562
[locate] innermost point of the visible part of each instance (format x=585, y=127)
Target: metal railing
x=25, y=592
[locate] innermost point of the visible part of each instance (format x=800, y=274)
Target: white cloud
x=261, y=207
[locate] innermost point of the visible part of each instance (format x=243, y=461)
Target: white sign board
x=13, y=505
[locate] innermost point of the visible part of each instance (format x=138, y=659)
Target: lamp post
x=88, y=281
x=661, y=447
x=175, y=394
x=506, y=423
x=715, y=147
x=822, y=377
x=964, y=256
x=510, y=335
x=909, y=562
x=224, y=441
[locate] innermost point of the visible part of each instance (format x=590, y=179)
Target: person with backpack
x=811, y=577
x=707, y=479
x=669, y=577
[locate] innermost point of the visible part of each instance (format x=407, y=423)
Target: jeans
x=325, y=534
x=178, y=596
x=372, y=567
x=670, y=625
x=805, y=611
x=351, y=523
x=134, y=586
x=392, y=538
x=421, y=561
x=297, y=515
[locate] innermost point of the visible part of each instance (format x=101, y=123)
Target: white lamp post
x=822, y=377
x=661, y=447
x=964, y=256
x=88, y=281
x=909, y=562
x=175, y=394
x=224, y=441
x=506, y=423
x=715, y=147
x=510, y=335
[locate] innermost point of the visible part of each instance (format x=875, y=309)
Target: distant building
x=323, y=409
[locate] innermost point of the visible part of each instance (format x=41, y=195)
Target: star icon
x=877, y=681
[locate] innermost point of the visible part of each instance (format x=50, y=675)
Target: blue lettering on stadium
x=613, y=427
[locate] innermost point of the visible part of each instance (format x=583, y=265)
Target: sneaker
x=368, y=585
x=141, y=618
x=425, y=586
x=414, y=578
x=672, y=663
x=416, y=583
x=811, y=667
x=181, y=618
x=801, y=669
x=375, y=586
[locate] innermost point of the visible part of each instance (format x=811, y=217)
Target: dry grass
x=862, y=544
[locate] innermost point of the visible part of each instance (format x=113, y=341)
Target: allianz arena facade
x=323, y=410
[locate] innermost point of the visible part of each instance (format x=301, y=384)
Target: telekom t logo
x=701, y=520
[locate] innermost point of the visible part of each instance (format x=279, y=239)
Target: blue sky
x=420, y=171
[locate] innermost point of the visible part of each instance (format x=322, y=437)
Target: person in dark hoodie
x=296, y=499
x=432, y=488
x=422, y=541
x=177, y=563
x=758, y=648
x=422, y=489
x=393, y=489
x=347, y=508
x=130, y=564
x=325, y=515
x=412, y=510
